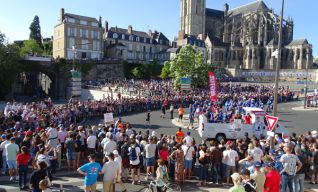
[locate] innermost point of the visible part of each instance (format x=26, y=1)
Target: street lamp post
x=307, y=65
x=278, y=64
x=74, y=50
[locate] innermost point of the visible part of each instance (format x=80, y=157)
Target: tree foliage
x=189, y=63
x=35, y=30
x=165, y=72
x=48, y=48
x=9, y=65
x=31, y=47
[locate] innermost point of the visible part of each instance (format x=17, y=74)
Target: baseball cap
x=235, y=176
x=188, y=133
x=268, y=164
x=3, y=136
x=257, y=164
x=12, y=139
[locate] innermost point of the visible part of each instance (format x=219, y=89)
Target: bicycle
x=166, y=188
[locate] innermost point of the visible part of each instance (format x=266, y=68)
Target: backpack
x=132, y=154
x=124, y=151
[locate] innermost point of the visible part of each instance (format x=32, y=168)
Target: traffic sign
x=271, y=122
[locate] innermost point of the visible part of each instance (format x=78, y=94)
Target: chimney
x=100, y=21
x=116, y=28
x=150, y=32
x=106, y=26
x=130, y=29
x=62, y=15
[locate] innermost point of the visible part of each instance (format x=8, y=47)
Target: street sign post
x=185, y=83
x=271, y=122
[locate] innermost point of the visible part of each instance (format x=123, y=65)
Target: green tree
x=35, y=30
x=31, y=46
x=154, y=68
x=165, y=71
x=137, y=72
x=189, y=63
x=9, y=65
x=48, y=48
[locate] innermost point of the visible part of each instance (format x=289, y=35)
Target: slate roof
x=217, y=41
x=174, y=50
x=298, y=42
x=251, y=7
x=80, y=17
x=214, y=13
x=193, y=40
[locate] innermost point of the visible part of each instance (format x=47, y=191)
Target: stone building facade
x=81, y=32
x=244, y=37
x=135, y=46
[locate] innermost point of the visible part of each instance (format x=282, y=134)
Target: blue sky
x=162, y=15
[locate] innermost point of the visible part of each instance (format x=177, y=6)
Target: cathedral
x=245, y=37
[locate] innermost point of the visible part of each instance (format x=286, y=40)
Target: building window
x=82, y=22
x=123, y=37
x=145, y=40
x=95, y=34
x=96, y=45
x=137, y=39
x=144, y=49
x=84, y=33
x=71, y=42
x=130, y=47
x=84, y=44
x=94, y=24
x=137, y=47
x=115, y=36
x=131, y=38
x=150, y=49
x=70, y=20
x=71, y=31
x=160, y=42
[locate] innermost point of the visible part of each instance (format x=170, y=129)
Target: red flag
x=213, y=83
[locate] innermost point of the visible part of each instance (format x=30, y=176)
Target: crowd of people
x=44, y=135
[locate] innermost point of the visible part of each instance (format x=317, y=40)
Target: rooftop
x=251, y=7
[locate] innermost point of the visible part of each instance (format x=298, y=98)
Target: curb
x=301, y=108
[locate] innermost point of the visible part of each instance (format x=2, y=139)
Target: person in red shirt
x=248, y=119
x=22, y=164
x=272, y=182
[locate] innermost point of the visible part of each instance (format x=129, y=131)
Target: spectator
x=314, y=160
x=91, y=142
x=134, y=153
x=91, y=171
x=230, y=157
x=118, y=160
x=178, y=156
x=5, y=141
x=188, y=151
x=38, y=175
x=291, y=165
x=111, y=173
x=12, y=150
x=300, y=174
x=150, y=150
x=258, y=176
x=161, y=172
x=248, y=183
x=272, y=181
x=22, y=164
x=236, y=181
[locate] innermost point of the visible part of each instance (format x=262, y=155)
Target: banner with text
x=213, y=83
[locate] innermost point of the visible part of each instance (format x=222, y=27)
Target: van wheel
x=219, y=137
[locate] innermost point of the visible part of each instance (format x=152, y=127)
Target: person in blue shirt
x=91, y=171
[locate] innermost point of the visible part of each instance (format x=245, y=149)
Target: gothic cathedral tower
x=193, y=17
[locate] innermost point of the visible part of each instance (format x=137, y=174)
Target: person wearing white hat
x=118, y=160
x=236, y=178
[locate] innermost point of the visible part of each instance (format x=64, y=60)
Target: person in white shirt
x=230, y=158
x=150, y=150
x=257, y=152
x=188, y=152
x=111, y=173
x=91, y=142
x=188, y=139
x=118, y=160
x=110, y=145
x=52, y=134
x=5, y=141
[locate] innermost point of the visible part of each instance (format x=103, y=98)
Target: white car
x=237, y=129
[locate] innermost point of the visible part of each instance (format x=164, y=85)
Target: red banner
x=213, y=83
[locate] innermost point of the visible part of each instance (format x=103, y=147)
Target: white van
x=237, y=129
